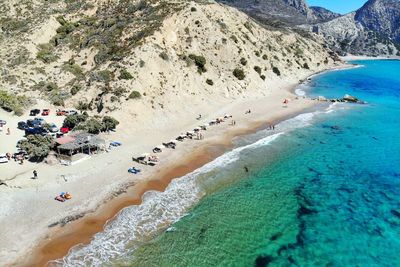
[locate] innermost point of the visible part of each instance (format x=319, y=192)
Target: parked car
x=65, y=130
x=40, y=120
x=53, y=128
x=70, y=112
x=3, y=158
x=45, y=112
x=35, y=112
x=60, y=112
x=36, y=130
x=22, y=125
x=33, y=123
x=2, y=123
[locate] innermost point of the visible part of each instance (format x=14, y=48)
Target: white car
x=3, y=158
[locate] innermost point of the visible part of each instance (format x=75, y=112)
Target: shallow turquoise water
x=327, y=194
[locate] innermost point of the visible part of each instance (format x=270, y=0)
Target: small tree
x=134, y=95
x=276, y=71
x=109, y=123
x=239, y=73
x=125, y=75
x=200, y=62
x=257, y=69
x=73, y=120
x=37, y=146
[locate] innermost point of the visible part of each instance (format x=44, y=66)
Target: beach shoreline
x=86, y=220
x=354, y=57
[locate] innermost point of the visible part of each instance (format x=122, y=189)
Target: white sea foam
x=159, y=210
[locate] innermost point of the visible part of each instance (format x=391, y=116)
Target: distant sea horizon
x=322, y=189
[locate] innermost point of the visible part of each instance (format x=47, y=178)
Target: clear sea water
x=323, y=189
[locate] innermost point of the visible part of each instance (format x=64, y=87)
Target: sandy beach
x=101, y=186
x=354, y=57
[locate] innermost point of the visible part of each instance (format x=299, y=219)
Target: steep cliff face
x=372, y=30
x=382, y=16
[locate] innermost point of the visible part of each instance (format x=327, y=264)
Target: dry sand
x=28, y=206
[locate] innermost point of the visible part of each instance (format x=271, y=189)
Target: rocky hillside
x=373, y=30
x=131, y=56
x=322, y=14
x=287, y=12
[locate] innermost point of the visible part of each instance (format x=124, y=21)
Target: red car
x=60, y=112
x=65, y=130
x=46, y=112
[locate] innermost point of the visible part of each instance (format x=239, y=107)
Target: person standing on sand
x=35, y=174
x=8, y=131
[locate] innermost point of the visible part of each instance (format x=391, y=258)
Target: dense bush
x=14, y=103
x=262, y=77
x=276, y=71
x=46, y=54
x=75, y=89
x=109, y=123
x=73, y=120
x=125, y=75
x=265, y=57
x=91, y=125
x=37, y=146
x=243, y=61
x=164, y=56
x=257, y=69
x=305, y=66
x=200, y=62
x=74, y=69
x=134, y=95
x=209, y=82
x=239, y=73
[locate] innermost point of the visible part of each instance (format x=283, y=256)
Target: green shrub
x=164, y=56
x=75, y=89
x=257, y=53
x=209, y=82
x=134, y=95
x=193, y=9
x=91, y=125
x=74, y=69
x=119, y=91
x=72, y=121
x=82, y=106
x=265, y=57
x=305, y=66
x=200, y=62
x=235, y=39
x=257, y=69
x=37, y=146
x=243, y=61
x=14, y=103
x=109, y=123
x=239, y=73
x=45, y=53
x=276, y=71
x=125, y=75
